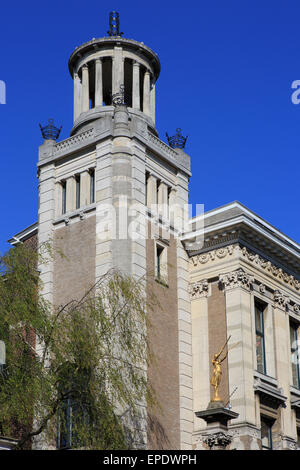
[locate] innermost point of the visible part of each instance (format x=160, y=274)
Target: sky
x=227, y=70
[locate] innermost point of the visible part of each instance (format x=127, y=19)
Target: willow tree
x=74, y=375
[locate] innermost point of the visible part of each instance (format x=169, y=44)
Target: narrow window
x=146, y=187
x=64, y=434
x=266, y=433
x=77, y=191
x=92, y=186
x=260, y=338
x=295, y=355
x=159, y=261
x=64, y=196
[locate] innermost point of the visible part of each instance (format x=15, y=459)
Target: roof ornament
x=114, y=24
x=50, y=132
x=177, y=140
x=118, y=99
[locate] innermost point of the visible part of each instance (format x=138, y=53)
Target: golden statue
x=217, y=371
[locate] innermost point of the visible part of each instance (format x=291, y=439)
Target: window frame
x=269, y=424
x=78, y=184
x=293, y=326
x=92, y=185
x=260, y=307
x=63, y=197
x=161, y=262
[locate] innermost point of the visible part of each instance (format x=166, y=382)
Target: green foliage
x=88, y=357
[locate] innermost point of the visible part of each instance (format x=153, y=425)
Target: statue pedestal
x=216, y=436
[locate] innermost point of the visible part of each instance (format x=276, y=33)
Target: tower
x=113, y=195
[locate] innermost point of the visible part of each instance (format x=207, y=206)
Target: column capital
x=198, y=289
x=98, y=59
x=85, y=66
x=280, y=300
x=136, y=63
x=238, y=278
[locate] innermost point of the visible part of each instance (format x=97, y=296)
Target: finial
x=50, y=132
x=118, y=99
x=177, y=140
x=114, y=24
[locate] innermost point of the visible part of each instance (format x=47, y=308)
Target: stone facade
x=206, y=291
x=227, y=283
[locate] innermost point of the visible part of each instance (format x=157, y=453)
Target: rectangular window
x=92, y=186
x=266, y=433
x=161, y=266
x=295, y=355
x=159, y=260
x=260, y=338
x=77, y=191
x=64, y=196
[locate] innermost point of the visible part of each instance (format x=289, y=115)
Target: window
x=161, y=270
x=74, y=408
x=70, y=416
x=64, y=196
x=77, y=177
x=266, y=433
x=260, y=337
x=295, y=355
x=159, y=261
x=92, y=186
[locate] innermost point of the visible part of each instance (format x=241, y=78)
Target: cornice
x=271, y=269
x=253, y=236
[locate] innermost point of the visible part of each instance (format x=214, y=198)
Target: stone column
x=172, y=205
x=85, y=101
x=199, y=292
x=146, y=100
x=151, y=192
x=152, y=101
x=240, y=318
x=71, y=194
x=98, y=83
x=117, y=70
x=136, y=99
x=77, y=96
x=58, y=199
x=162, y=199
x=46, y=228
x=85, y=188
x=282, y=345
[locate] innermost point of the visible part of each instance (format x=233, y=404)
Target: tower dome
x=101, y=66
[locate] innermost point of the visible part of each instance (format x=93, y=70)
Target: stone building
x=241, y=281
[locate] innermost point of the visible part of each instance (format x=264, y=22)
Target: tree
x=74, y=372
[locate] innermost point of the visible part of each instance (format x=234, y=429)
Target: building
x=241, y=282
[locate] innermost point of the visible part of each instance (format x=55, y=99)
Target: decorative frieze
x=198, y=289
x=212, y=255
x=281, y=300
x=238, y=278
x=296, y=308
x=255, y=259
x=218, y=440
x=262, y=288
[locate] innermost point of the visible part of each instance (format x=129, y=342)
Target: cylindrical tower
x=99, y=67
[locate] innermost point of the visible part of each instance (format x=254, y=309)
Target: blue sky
x=227, y=70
